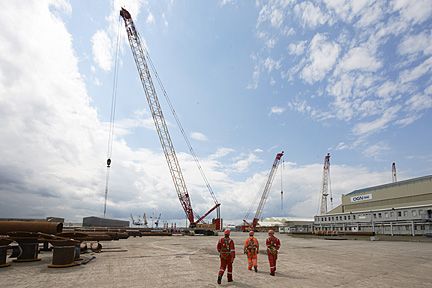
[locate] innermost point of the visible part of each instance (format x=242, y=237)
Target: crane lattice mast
x=266, y=190
x=325, y=185
x=139, y=54
x=394, y=178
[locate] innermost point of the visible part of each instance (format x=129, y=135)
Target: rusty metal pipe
x=7, y=227
x=4, y=246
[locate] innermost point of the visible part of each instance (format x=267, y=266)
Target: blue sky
x=247, y=79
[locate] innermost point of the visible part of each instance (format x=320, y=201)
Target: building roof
x=404, y=182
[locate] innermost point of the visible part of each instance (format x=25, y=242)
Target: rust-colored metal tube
x=30, y=226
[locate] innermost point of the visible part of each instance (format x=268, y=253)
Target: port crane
x=394, y=176
x=142, y=61
x=326, y=186
x=157, y=220
x=258, y=213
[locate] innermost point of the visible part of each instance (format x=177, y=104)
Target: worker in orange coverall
x=226, y=250
x=273, y=245
x=251, y=248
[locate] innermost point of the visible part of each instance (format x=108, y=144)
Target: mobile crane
x=142, y=61
x=258, y=213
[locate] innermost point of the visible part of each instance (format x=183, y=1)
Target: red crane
x=264, y=196
x=141, y=60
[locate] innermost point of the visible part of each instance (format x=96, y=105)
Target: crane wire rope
x=112, y=116
x=282, y=168
x=256, y=198
x=192, y=151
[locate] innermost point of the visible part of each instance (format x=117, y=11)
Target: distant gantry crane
x=142, y=61
x=394, y=178
x=326, y=186
x=252, y=226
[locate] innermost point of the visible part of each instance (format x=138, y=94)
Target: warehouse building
x=400, y=208
x=93, y=221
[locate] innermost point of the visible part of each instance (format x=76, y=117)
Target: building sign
x=361, y=198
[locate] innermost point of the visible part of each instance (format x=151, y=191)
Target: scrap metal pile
x=21, y=240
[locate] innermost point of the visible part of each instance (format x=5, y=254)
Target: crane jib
x=140, y=58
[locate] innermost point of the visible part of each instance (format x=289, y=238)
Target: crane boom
x=266, y=191
x=156, y=111
x=325, y=185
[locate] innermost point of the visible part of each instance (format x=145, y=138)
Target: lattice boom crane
x=265, y=192
x=161, y=126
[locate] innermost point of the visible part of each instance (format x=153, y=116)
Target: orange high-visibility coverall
x=251, y=248
x=226, y=249
x=273, y=245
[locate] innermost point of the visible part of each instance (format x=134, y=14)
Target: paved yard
x=183, y=261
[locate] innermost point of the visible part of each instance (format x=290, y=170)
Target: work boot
x=219, y=280
x=272, y=273
x=230, y=280
x=256, y=269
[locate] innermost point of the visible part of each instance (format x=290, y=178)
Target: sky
x=247, y=80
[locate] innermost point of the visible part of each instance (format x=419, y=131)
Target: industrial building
x=93, y=221
x=399, y=208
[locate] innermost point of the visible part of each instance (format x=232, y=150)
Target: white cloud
x=165, y=21
x=378, y=124
x=221, y=152
x=271, y=64
x=104, y=40
x=371, y=14
x=277, y=110
x=359, y=58
x=416, y=11
x=412, y=74
x=419, y=102
x=276, y=18
x=347, y=9
x=420, y=43
x=245, y=162
x=271, y=43
x=297, y=48
x=255, y=78
x=198, y=136
x=311, y=15
x=376, y=150
x=225, y=2
x=322, y=57
x=101, y=48
x=150, y=18
x=303, y=107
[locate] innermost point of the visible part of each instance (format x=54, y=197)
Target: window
x=345, y=217
x=399, y=213
x=379, y=215
x=414, y=213
x=386, y=214
x=332, y=218
x=420, y=212
x=349, y=217
x=392, y=214
x=374, y=215
x=405, y=213
x=354, y=217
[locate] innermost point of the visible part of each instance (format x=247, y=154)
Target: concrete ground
x=185, y=261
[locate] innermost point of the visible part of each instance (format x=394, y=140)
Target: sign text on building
x=361, y=198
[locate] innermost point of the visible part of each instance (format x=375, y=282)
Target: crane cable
x=112, y=116
x=181, y=127
x=282, y=168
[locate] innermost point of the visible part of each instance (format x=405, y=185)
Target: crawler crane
x=258, y=213
x=142, y=61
